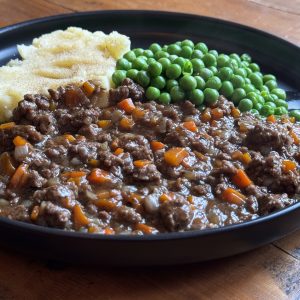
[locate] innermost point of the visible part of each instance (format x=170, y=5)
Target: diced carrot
x=20, y=177
x=126, y=123
x=236, y=155
x=76, y=180
x=295, y=137
x=271, y=119
x=114, y=144
x=6, y=165
x=109, y=231
x=289, y=165
x=206, y=116
x=88, y=87
x=292, y=119
x=156, y=145
x=105, y=204
x=233, y=196
x=35, y=213
x=241, y=179
x=104, y=195
x=144, y=228
x=93, y=229
x=66, y=202
x=98, y=176
x=7, y=125
x=190, y=198
x=214, y=123
x=80, y=219
x=119, y=151
x=246, y=158
x=94, y=162
x=235, y=112
x=104, y=123
x=73, y=174
x=217, y=113
x=127, y=105
x=165, y=197
x=80, y=138
x=19, y=141
x=141, y=163
x=70, y=137
x=138, y=113
x=175, y=156
x=190, y=125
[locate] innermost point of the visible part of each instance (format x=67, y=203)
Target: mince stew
x=82, y=161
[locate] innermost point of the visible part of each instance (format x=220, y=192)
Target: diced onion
x=21, y=152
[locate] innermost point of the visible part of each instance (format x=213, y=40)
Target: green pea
x=235, y=57
x=280, y=102
x=164, y=98
x=245, y=105
x=211, y=96
x=177, y=94
x=254, y=67
x=143, y=78
x=267, y=110
x=152, y=93
x=155, y=69
x=202, y=107
x=280, y=93
x=234, y=64
x=158, y=82
x=225, y=73
x=139, y=64
x=197, y=54
x=187, y=68
x=271, y=84
x=271, y=104
x=241, y=72
x=172, y=57
x=164, y=48
x=171, y=83
x=187, y=43
x=118, y=76
x=249, y=71
x=213, y=69
x=148, y=53
x=246, y=57
x=264, y=88
x=123, y=64
x=258, y=106
x=202, y=47
x=130, y=56
x=200, y=82
x=249, y=88
x=247, y=81
x=151, y=60
x=180, y=61
x=237, y=81
x=256, y=80
x=281, y=110
x=132, y=73
x=155, y=47
x=222, y=60
x=252, y=96
x=165, y=62
x=227, y=89
x=238, y=95
x=214, y=82
x=245, y=64
x=174, y=49
x=260, y=99
x=188, y=83
x=214, y=53
x=274, y=97
x=197, y=97
x=209, y=60
x=186, y=52
x=205, y=73
x=173, y=71
x=268, y=77
x=198, y=64
x=296, y=114
x=159, y=54
x=138, y=51
x=254, y=111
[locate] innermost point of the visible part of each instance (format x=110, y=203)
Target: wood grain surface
x=271, y=272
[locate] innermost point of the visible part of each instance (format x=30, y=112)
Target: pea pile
x=183, y=70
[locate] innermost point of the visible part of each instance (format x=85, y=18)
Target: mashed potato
x=58, y=58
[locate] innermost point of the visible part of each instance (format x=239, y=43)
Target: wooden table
x=271, y=272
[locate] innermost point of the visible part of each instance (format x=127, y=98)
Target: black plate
x=144, y=27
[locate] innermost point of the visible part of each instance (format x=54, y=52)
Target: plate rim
x=161, y=236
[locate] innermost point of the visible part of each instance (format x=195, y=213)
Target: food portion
x=188, y=71
x=66, y=56
x=79, y=161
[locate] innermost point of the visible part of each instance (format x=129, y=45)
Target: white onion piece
x=151, y=203
x=21, y=152
x=3, y=202
x=75, y=161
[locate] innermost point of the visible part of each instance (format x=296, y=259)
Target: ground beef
x=82, y=169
